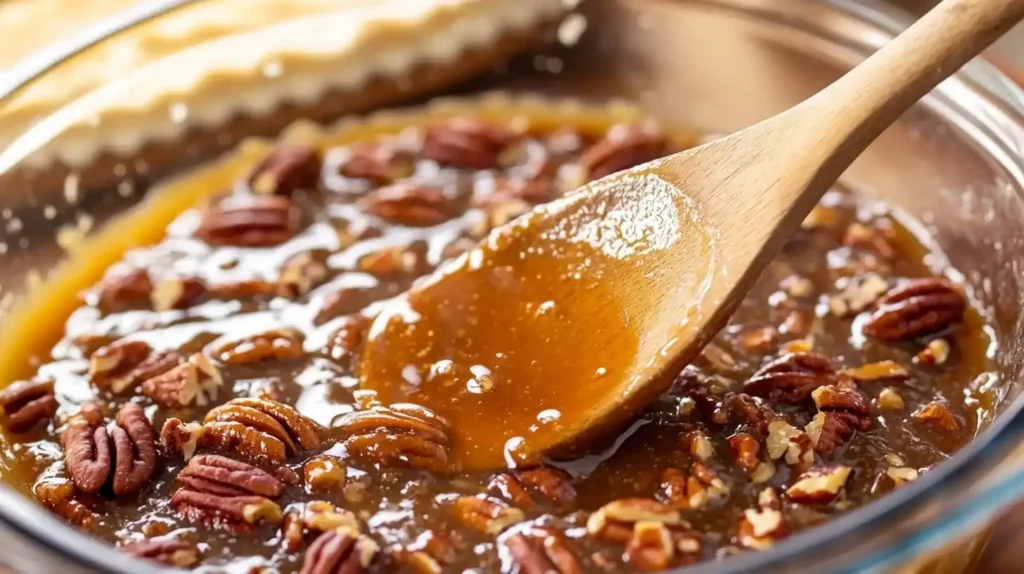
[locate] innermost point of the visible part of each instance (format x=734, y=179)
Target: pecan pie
x=204, y=408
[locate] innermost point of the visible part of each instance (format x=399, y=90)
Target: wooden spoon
x=562, y=325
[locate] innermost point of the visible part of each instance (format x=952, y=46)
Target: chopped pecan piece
x=890, y=400
x=122, y=366
x=223, y=476
x=937, y=414
x=26, y=404
x=916, y=308
x=324, y=473
x=525, y=488
x=623, y=147
x=760, y=528
x=181, y=439
x=346, y=340
x=745, y=448
x=124, y=290
x=486, y=515
x=615, y=521
x=428, y=553
x=744, y=408
x=177, y=293
x=168, y=551
x=880, y=371
x=274, y=345
x=317, y=516
x=248, y=221
x=300, y=274
x=791, y=377
x=338, y=551
x=401, y=435
x=380, y=163
x=123, y=455
x=935, y=353
x=879, y=238
x=537, y=550
x=856, y=294
x=408, y=204
x=195, y=382
x=466, y=143
x=59, y=498
x=286, y=170
x=651, y=546
x=679, y=490
x=819, y=485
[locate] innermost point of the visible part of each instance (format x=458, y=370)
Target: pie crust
x=265, y=69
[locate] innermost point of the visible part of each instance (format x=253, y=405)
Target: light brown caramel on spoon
x=565, y=323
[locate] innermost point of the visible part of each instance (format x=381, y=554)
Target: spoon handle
x=861, y=104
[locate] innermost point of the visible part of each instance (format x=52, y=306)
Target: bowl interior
x=717, y=65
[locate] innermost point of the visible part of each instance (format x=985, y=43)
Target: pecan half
x=274, y=345
x=223, y=476
x=286, y=170
x=123, y=365
x=408, y=204
x=340, y=550
x=525, y=488
x=380, y=163
x=843, y=410
x=486, y=515
x=916, y=308
x=791, y=377
x=537, y=550
x=123, y=455
x=59, y=498
x=467, y=143
x=231, y=511
x=26, y=404
x=275, y=421
x=124, y=290
x=248, y=221
x=401, y=435
x=623, y=147
x=169, y=551
x=195, y=382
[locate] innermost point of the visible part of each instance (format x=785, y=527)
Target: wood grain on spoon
x=562, y=325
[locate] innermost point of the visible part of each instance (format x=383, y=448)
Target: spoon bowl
x=562, y=325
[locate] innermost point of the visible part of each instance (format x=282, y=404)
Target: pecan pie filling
x=204, y=408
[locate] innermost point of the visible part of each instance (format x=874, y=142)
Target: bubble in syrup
x=549, y=416
x=514, y=451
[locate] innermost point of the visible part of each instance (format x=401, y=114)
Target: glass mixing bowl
x=955, y=163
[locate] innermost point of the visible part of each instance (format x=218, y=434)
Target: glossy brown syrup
x=486, y=408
